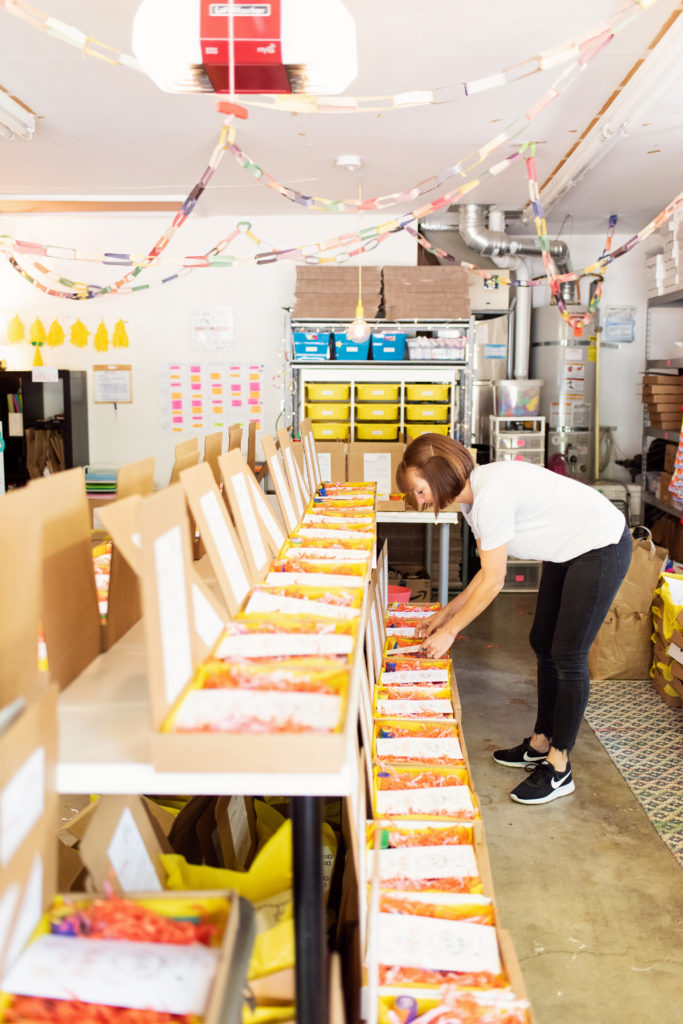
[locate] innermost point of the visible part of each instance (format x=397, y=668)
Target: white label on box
x=239, y=828
x=325, y=463
x=283, y=645
x=402, y=631
x=173, y=612
x=283, y=490
x=22, y=803
x=129, y=857
x=265, y=515
x=260, y=602
x=340, y=519
x=143, y=975
x=234, y=710
x=29, y=914
x=428, y=675
x=378, y=468
x=319, y=533
x=428, y=748
x=430, y=800
x=250, y=521
x=416, y=862
x=227, y=551
x=315, y=579
x=406, y=940
x=399, y=708
x=15, y=424
x=207, y=622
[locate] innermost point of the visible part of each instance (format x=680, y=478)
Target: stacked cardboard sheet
x=426, y=292
x=333, y=292
x=663, y=398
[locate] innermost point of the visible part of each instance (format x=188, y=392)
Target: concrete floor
x=591, y=895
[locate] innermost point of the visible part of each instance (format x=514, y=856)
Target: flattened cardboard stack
x=663, y=396
x=333, y=292
x=427, y=292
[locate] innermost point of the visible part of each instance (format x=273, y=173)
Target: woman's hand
x=430, y=625
x=439, y=643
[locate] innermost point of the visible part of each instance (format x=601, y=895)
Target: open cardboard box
x=28, y=859
x=173, y=652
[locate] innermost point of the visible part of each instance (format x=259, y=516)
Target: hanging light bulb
x=359, y=330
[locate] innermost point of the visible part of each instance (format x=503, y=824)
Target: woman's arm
x=477, y=596
x=439, y=618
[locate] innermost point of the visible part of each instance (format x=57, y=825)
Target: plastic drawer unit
x=427, y=412
x=414, y=430
x=313, y=346
x=328, y=392
x=378, y=392
x=428, y=392
x=377, y=431
x=339, y=411
x=368, y=411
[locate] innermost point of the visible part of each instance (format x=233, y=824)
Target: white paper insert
x=22, y=803
x=29, y=913
x=173, y=612
x=250, y=521
x=377, y=467
x=427, y=675
x=129, y=857
x=260, y=602
x=290, y=645
x=265, y=514
x=227, y=551
x=416, y=862
x=228, y=710
x=400, y=708
x=291, y=473
x=428, y=747
x=283, y=491
x=436, y=800
x=437, y=945
x=239, y=828
x=143, y=975
x=206, y=622
x=325, y=463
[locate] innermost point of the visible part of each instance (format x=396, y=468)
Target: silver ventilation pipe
x=483, y=240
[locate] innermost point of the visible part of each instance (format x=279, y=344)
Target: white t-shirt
x=539, y=514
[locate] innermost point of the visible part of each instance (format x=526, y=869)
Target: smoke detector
x=350, y=162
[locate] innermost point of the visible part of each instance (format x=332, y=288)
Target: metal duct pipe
x=483, y=240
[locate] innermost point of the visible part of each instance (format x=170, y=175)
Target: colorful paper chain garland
x=304, y=104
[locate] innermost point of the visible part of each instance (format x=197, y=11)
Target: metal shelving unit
x=454, y=372
x=667, y=301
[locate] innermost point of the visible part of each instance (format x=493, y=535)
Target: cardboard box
x=375, y=461
x=121, y=844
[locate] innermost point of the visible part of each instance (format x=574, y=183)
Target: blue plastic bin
x=311, y=346
x=389, y=346
x=345, y=349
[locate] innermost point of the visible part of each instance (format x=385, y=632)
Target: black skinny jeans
x=573, y=600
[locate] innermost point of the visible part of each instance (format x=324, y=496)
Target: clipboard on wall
x=113, y=384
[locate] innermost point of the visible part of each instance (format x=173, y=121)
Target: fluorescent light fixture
x=16, y=121
x=659, y=72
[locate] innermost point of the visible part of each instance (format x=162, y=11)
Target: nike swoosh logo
x=556, y=783
x=535, y=758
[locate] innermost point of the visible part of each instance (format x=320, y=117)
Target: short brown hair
x=443, y=462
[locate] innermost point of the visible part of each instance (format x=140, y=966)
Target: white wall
x=158, y=320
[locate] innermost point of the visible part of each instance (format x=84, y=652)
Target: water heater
x=565, y=361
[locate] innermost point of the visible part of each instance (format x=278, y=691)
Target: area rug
x=644, y=739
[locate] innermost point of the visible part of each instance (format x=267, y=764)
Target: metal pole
x=444, y=553
x=309, y=913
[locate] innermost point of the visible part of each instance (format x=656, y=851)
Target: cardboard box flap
x=251, y=446
x=124, y=607
x=246, y=513
x=222, y=544
x=135, y=478
x=294, y=478
x=122, y=845
x=182, y=462
x=277, y=475
x=172, y=645
x=21, y=559
x=376, y=461
x=311, y=455
x=28, y=821
x=121, y=520
x=70, y=611
x=184, y=448
x=235, y=437
x=213, y=446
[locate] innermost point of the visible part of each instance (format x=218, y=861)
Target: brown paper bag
x=622, y=649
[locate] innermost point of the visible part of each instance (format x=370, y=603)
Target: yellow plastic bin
x=377, y=431
x=427, y=413
x=330, y=431
x=328, y=411
x=328, y=392
x=377, y=392
x=414, y=430
x=427, y=392
x=367, y=411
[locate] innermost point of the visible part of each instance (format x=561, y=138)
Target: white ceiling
x=106, y=130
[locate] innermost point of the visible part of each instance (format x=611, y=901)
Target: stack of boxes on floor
x=433, y=941
x=667, y=639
